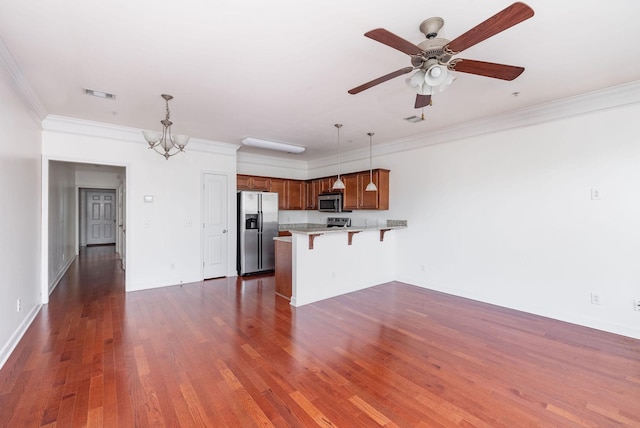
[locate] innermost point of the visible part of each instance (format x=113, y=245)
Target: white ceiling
x=280, y=69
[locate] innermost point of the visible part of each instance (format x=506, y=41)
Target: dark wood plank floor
x=229, y=353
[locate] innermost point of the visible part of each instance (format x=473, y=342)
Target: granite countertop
x=309, y=228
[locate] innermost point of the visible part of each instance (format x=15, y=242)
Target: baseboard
x=56, y=281
x=10, y=346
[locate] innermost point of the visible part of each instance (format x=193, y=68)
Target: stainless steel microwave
x=330, y=202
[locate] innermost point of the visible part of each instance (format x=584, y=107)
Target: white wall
x=62, y=220
x=168, y=251
x=507, y=218
x=19, y=217
x=333, y=267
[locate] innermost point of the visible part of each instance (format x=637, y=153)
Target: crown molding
x=14, y=77
x=71, y=125
x=609, y=98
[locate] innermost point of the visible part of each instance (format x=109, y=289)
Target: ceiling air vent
x=99, y=94
x=413, y=119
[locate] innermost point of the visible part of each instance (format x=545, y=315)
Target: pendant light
x=339, y=184
x=371, y=187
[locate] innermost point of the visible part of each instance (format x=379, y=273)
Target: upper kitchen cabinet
x=249, y=182
x=355, y=196
x=291, y=193
x=303, y=195
x=278, y=185
x=326, y=184
x=312, y=187
x=296, y=194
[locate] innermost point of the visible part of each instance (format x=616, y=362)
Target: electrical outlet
x=596, y=299
x=19, y=305
x=636, y=304
x=596, y=194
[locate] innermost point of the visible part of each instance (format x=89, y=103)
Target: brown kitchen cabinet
x=303, y=195
x=312, y=188
x=356, y=198
x=279, y=186
x=315, y=188
x=283, y=274
x=296, y=195
x=326, y=184
x=291, y=193
x=250, y=182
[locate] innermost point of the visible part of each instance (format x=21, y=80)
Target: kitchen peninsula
x=327, y=262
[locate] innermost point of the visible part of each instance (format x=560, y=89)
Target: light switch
x=147, y=224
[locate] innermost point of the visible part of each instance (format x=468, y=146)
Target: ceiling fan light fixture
x=272, y=145
x=436, y=75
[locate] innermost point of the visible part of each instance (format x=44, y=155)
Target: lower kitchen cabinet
x=284, y=278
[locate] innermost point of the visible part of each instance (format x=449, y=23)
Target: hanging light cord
x=370, y=134
x=338, y=125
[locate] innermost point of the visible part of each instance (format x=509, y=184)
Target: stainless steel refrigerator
x=257, y=226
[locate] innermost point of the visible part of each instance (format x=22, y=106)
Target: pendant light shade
x=371, y=187
x=338, y=184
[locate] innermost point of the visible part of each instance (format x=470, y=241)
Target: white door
x=101, y=217
x=215, y=239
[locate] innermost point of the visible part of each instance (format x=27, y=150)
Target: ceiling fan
x=432, y=58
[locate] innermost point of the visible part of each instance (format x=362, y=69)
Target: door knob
x=224, y=230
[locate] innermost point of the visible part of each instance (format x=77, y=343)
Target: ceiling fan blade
x=379, y=80
x=388, y=38
x=422, y=100
x=487, y=69
x=507, y=18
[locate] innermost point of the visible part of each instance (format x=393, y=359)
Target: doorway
x=99, y=217
x=215, y=225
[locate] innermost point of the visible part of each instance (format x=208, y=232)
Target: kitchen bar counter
x=343, y=260
x=314, y=230
x=309, y=228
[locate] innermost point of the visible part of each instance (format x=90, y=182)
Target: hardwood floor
x=229, y=353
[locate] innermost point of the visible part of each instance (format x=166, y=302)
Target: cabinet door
x=378, y=200
x=326, y=184
x=260, y=183
x=368, y=200
x=243, y=182
x=278, y=185
x=295, y=195
x=313, y=189
x=351, y=193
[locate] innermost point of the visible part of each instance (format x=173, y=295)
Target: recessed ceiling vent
x=99, y=94
x=413, y=119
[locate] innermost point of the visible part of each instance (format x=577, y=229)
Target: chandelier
x=164, y=142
